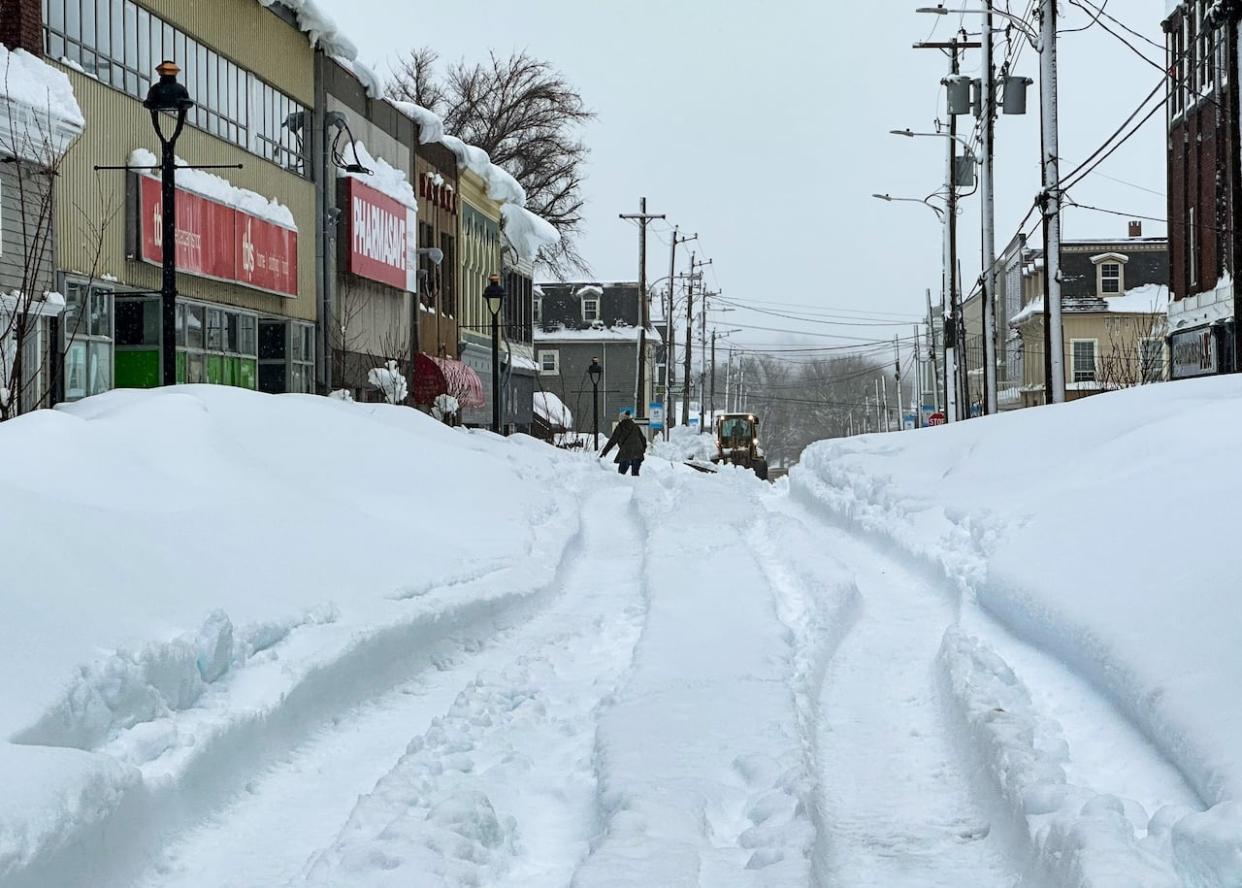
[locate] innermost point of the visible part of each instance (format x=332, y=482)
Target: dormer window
x=1110, y=274
x=1110, y=278
x=590, y=309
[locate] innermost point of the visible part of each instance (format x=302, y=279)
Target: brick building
x=1204, y=186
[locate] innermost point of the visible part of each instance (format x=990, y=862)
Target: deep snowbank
x=196, y=571
x=1100, y=532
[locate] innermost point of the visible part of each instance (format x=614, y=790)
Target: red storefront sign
x=380, y=233
x=217, y=241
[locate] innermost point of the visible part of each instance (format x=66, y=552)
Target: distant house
x=576, y=322
x=1115, y=300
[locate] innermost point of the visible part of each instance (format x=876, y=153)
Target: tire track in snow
x=501, y=791
x=898, y=805
x=263, y=834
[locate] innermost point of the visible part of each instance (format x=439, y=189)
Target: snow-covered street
x=680, y=679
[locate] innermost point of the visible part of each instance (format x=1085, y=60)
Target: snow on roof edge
x=318, y=26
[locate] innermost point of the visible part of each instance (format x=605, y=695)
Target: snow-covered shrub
x=390, y=381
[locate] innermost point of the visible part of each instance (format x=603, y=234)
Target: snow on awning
x=552, y=410
x=221, y=190
x=384, y=177
x=443, y=376
x=39, y=115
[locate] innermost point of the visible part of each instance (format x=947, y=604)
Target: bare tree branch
x=527, y=117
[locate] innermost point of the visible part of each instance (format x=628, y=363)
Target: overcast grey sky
x=764, y=127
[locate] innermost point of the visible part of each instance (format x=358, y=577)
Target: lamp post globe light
x=169, y=102
x=494, y=295
x=595, y=371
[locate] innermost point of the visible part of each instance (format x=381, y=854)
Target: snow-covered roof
x=526, y=232
x=430, y=126
x=590, y=291
x=367, y=77
x=39, y=115
x=384, y=177
x=222, y=190
x=594, y=334
x=318, y=26
x=550, y=408
x=1145, y=300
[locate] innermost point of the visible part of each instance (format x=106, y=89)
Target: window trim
x=1192, y=246
x=1109, y=259
x=1095, y=355
x=594, y=300
x=556, y=362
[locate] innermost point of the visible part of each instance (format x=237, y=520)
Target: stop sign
x=936, y=419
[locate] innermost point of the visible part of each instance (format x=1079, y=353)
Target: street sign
x=936, y=419
x=655, y=412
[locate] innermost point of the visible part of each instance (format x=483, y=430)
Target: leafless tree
x=800, y=402
x=35, y=160
x=523, y=113
x=1122, y=362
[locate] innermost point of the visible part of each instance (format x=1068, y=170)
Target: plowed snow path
x=899, y=808
x=506, y=778
x=297, y=807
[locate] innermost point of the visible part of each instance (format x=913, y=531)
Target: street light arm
x=926, y=201
x=1028, y=32
x=910, y=134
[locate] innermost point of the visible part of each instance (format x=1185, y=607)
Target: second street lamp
x=169, y=102
x=494, y=295
x=595, y=371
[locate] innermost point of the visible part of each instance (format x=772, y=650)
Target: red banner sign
x=218, y=241
x=380, y=237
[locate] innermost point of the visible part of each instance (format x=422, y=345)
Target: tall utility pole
x=685, y=395
x=703, y=360
x=931, y=350
x=643, y=218
x=1052, y=192
x=695, y=265
x=713, y=373
x=951, y=351
x=989, y=287
x=897, y=376
x=670, y=331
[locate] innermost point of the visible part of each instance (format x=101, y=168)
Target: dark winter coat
x=629, y=440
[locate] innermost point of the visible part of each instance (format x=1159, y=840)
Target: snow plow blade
x=701, y=466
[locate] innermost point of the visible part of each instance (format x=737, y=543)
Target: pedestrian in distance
x=630, y=442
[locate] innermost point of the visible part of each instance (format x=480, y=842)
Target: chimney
x=21, y=25
x=1136, y=229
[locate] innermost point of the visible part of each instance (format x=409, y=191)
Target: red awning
x=443, y=376
x=429, y=381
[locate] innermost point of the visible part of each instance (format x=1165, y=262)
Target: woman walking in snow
x=630, y=442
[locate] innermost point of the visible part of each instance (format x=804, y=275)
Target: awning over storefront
x=443, y=376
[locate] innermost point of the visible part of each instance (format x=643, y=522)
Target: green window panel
x=248, y=373
x=138, y=368
x=215, y=370
x=181, y=367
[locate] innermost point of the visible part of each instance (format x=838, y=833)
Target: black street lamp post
x=595, y=371
x=169, y=98
x=495, y=297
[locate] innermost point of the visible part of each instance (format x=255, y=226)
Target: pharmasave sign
x=215, y=240
x=381, y=233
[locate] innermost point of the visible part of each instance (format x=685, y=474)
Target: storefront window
x=87, y=333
